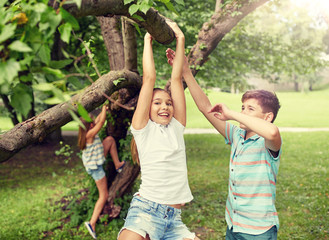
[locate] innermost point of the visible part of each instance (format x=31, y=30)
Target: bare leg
x=130, y=235
x=103, y=195
x=111, y=147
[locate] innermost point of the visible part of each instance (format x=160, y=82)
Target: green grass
x=308, y=109
x=29, y=189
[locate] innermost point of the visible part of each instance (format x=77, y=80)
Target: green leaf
x=21, y=99
x=58, y=73
x=7, y=32
x=60, y=64
x=138, y=29
x=44, y=54
x=43, y=87
x=116, y=82
x=125, y=2
x=180, y=2
x=52, y=101
x=84, y=113
x=70, y=19
x=138, y=17
x=65, y=31
x=171, y=7
x=20, y=47
x=9, y=70
x=133, y=9
x=76, y=118
x=144, y=7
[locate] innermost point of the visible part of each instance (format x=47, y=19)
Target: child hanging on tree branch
x=157, y=126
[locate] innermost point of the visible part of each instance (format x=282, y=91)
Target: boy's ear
x=269, y=116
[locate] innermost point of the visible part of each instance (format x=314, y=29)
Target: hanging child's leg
x=111, y=147
x=103, y=195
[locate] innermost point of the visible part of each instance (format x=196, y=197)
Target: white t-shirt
x=161, y=150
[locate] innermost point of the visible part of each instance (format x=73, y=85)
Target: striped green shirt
x=250, y=206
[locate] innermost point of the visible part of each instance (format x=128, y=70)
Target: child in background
x=157, y=126
x=94, y=152
x=254, y=161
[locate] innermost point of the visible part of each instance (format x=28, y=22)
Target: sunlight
x=316, y=6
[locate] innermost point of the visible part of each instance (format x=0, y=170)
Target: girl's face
x=162, y=109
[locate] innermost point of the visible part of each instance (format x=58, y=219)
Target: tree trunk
x=120, y=41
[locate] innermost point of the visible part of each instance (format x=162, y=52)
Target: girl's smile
x=162, y=109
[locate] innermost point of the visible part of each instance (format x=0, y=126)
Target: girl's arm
x=99, y=122
x=177, y=89
x=141, y=115
x=199, y=97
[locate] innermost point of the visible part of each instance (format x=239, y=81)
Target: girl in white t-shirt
x=157, y=126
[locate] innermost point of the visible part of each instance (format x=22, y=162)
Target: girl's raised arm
x=141, y=115
x=177, y=89
x=99, y=122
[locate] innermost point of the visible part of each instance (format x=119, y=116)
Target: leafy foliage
x=26, y=41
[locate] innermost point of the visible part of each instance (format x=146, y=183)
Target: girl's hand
x=148, y=37
x=175, y=28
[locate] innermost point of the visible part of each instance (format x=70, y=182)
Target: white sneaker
x=90, y=229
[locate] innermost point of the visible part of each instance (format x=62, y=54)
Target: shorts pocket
x=140, y=204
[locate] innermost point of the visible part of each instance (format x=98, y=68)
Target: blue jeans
x=98, y=173
x=159, y=221
x=270, y=234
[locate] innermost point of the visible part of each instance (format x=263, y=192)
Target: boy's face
x=162, y=109
x=252, y=108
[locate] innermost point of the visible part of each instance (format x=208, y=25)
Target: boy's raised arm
x=141, y=115
x=199, y=97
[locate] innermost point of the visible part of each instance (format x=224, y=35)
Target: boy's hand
x=171, y=56
x=221, y=112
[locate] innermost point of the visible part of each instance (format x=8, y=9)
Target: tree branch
x=220, y=24
x=37, y=128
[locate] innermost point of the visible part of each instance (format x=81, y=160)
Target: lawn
x=308, y=109
x=31, y=186
x=34, y=180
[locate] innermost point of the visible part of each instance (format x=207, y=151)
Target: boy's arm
x=177, y=89
x=141, y=115
x=262, y=127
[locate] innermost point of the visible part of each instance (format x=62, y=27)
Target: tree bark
x=37, y=128
x=111, y=32
x=212, y=32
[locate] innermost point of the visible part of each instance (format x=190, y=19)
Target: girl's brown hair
x=133, y=146
x=134, y=151
x=83, y=133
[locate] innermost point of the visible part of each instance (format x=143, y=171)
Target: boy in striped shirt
x=254, y=159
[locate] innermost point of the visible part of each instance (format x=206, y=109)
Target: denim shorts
x=159, y=221
x=270, y=234
x=97, y=173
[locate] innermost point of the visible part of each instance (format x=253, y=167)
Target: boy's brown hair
x=266, y=99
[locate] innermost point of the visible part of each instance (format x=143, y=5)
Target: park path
x=282, y=129
x=214, y=131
